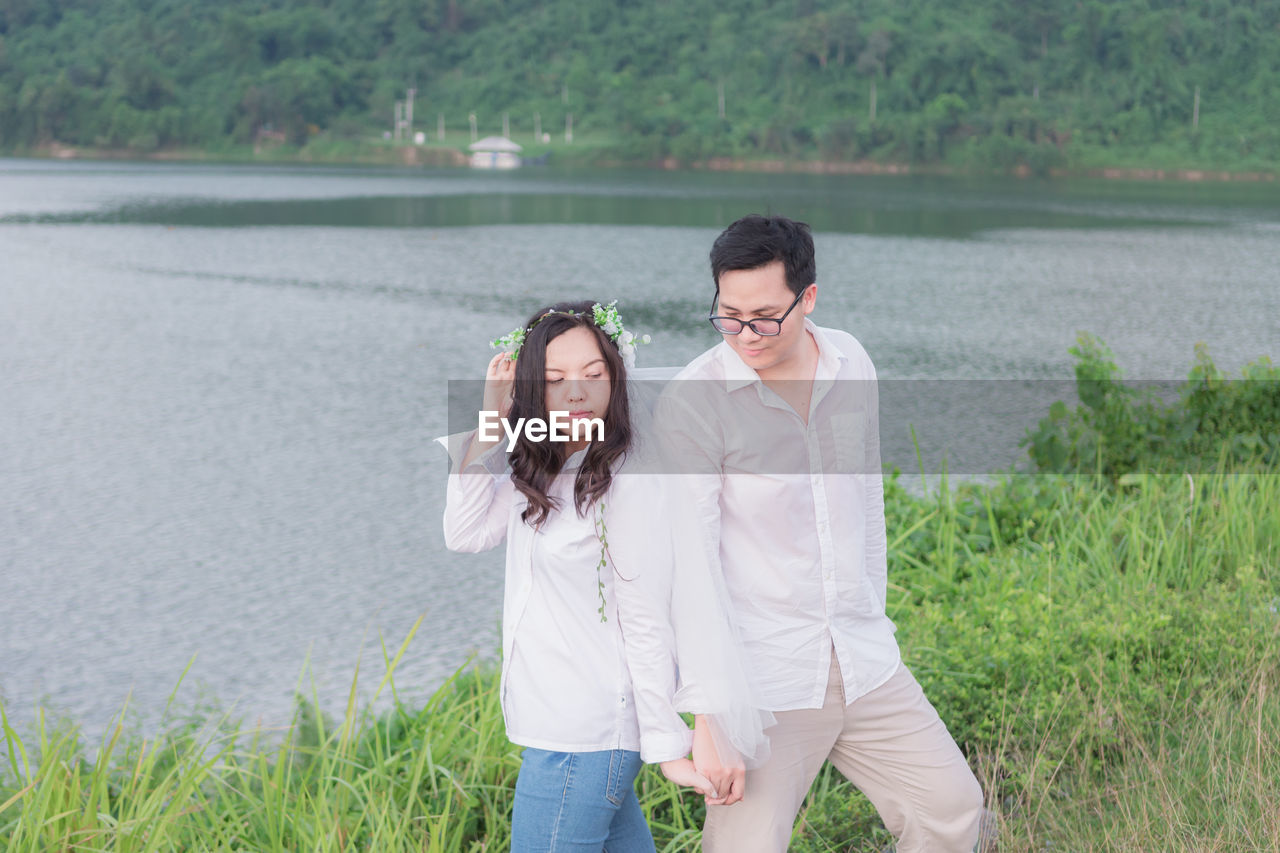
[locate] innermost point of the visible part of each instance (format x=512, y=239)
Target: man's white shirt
x=791, y=514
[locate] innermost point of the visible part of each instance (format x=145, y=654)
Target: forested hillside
x=980, y=83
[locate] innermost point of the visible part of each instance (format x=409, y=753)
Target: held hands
x=682, y=773
x=728, y=777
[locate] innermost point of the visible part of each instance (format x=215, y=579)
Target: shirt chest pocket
x=849, y=439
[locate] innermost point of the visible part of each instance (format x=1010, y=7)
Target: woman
x=587, y=672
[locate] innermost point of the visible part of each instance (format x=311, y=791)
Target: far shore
x=446, y=156
x=871, y=167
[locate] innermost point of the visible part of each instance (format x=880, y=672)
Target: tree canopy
x=987, y=82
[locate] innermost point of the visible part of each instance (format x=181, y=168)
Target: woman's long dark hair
x=535, y=464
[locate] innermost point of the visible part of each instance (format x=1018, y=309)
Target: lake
x=218, y=384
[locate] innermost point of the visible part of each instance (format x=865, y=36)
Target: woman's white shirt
x=571, y=682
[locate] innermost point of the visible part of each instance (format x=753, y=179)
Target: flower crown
x=604, y=316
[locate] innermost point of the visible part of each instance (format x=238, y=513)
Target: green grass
x=1108, y=658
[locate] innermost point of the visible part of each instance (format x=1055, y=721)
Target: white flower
x=605, y=317
x=511, y=342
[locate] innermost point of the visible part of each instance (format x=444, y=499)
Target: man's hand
x=681, y=772
x=728, y=778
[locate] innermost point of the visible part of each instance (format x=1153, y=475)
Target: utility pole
x=399, y=121
x=473, y=126
x=408, y=113
x=568, y=127
x=720, y=92
x=440, y=126
x=1195, y=111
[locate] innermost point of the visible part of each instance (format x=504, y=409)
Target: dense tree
x=987, y=82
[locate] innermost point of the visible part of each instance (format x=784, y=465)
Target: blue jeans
x=579, y=801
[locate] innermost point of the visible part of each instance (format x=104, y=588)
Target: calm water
x=218, y=384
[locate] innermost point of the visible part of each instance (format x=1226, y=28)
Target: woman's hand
x=728, y=776
x=682, y=773
x=499, y=382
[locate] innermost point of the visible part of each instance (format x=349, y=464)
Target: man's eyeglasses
x=766, y=327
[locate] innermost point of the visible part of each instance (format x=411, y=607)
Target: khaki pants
x=890, y=743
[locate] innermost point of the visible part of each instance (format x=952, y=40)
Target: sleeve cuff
x=494, y=460
x=657, y=748
x=691, y=700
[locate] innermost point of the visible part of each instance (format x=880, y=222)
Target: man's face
x=760, y=293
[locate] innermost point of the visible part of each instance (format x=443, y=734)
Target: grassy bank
x=1109, y=658
x=585, y=150
x=1104, y=646
x=601, y=151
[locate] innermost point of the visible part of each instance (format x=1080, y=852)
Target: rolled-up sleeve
x=640, y=550
x=690, y=452
x=477, y=504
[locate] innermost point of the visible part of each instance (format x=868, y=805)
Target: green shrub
x=1122, y=429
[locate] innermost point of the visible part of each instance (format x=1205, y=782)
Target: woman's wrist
x=474, y=449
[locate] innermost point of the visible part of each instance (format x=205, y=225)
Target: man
x=774, y=437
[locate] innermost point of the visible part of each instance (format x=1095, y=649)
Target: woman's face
x=577, y=380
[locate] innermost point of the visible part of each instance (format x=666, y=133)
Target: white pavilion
x=494, y=152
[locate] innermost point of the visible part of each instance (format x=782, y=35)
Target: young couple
x=725, y=558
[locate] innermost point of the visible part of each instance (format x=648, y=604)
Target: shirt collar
x=737, y=374
x=574, y=460
x=830, y=356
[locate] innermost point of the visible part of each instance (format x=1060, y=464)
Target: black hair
x=535, y=464
x=754, y=241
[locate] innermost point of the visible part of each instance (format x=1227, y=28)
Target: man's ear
x=810, y=298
